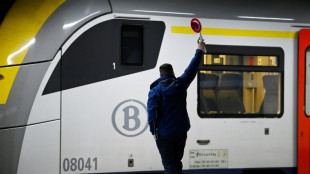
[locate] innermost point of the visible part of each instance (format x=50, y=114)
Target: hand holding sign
x=196, y=26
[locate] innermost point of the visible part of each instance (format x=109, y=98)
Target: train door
x=304, y=102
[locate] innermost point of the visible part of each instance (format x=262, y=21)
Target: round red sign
x=196, y=25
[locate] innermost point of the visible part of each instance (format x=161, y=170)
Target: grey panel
x=219, y=9
x=90, y=57
x=25, y=87
x=70, y=16
x=10, y=146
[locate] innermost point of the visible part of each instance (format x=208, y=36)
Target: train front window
x=307, y=88
x=240, y=86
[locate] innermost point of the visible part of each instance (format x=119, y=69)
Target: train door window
x=244, y=85
x=307, y=91
x=132, y=45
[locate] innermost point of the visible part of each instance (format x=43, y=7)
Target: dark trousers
x=171, y=150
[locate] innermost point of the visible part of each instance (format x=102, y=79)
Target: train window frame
x=139, y=29
x=244, y=51
x=307, y=82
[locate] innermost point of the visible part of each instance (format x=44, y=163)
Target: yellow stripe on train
x=236, y=32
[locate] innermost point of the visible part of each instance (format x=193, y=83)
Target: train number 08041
x=79, y=164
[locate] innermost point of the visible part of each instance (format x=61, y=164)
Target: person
x=167, y=113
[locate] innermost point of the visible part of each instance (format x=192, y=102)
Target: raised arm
x=189, y=74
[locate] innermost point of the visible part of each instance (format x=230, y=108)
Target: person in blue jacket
x=167, y=113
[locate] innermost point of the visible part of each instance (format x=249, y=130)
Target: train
x=75, y=77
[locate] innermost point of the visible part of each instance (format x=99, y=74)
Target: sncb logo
x=129, y=118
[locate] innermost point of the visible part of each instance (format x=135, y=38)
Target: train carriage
x=75, y=75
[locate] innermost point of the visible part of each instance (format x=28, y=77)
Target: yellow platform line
x=236, y=32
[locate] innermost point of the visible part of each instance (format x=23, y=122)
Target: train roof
x=294, y=11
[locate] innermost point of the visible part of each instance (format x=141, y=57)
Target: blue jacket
x=168, y=96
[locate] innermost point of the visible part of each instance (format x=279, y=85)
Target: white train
x=75, y=75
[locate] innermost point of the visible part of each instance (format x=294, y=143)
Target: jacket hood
x=164, y=80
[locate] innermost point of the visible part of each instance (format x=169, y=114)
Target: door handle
x=203, y=142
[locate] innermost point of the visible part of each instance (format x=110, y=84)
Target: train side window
x=244, y=85
x=132, y=45
x=307, y=87
x=237, y=60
